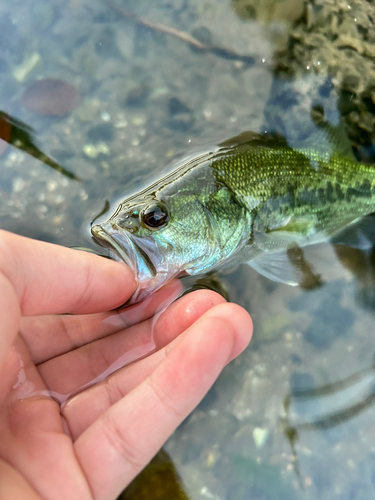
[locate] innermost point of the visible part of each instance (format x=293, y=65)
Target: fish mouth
x=122, y=247
x=144, y=257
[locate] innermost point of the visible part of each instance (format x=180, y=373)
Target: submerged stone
x=51, y=96
x=158, y=481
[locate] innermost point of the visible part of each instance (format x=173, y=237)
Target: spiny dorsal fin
x=249, y=137
x=325, y=139
x=340, y=141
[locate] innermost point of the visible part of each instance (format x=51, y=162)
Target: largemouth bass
x=250, y=200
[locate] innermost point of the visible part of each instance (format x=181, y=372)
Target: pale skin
x=93, y=447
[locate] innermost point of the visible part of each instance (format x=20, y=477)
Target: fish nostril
x=125, y=222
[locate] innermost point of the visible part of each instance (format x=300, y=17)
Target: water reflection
x=361, y=262
x=21, y=136
x=310, y=279
x=328, y=399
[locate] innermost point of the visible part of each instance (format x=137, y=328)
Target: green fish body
x=250, y=200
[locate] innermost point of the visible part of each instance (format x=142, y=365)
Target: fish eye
x=155, y=216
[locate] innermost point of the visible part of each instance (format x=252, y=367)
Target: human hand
x=96, y=443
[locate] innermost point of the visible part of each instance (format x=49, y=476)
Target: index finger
x=49, y=279
x=120, y=443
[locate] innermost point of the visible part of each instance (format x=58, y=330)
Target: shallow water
x=293, y=417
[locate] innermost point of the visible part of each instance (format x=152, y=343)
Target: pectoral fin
x=277, y=267
x=288, y=267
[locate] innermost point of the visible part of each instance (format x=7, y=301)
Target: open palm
x=107, y=430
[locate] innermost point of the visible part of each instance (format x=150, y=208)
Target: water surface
x=293, y=417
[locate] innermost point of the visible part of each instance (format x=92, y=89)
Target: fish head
x=160, y=238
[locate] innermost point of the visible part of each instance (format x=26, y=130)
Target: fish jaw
x=143, y=256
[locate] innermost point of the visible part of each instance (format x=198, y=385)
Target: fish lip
x=125, y=248
x=144, y=257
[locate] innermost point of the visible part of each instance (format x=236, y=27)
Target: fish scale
x=250, y=200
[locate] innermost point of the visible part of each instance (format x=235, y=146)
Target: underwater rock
x=180, y=116
x=245, y=478
x=325, y=327
x=260, y=436
x=51, y=96
x=158, y=481
x=12, y=43
x=300, y=381
x=269, y=10
x=272, y=327
x=176, y=107
x=295, y=359
x=105, y=43
x=102, y=132
x=279, y=15
x=337, y=39
x=138, y=95
x=29, y=66
x=203, y=34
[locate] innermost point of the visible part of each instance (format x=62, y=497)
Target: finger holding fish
x=53, y=335
x=93, y=362
x=102, y=396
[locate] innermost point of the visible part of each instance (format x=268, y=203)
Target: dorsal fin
x=324, y=140
x=337, y=138
x=249, y=137
x=326, y=137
